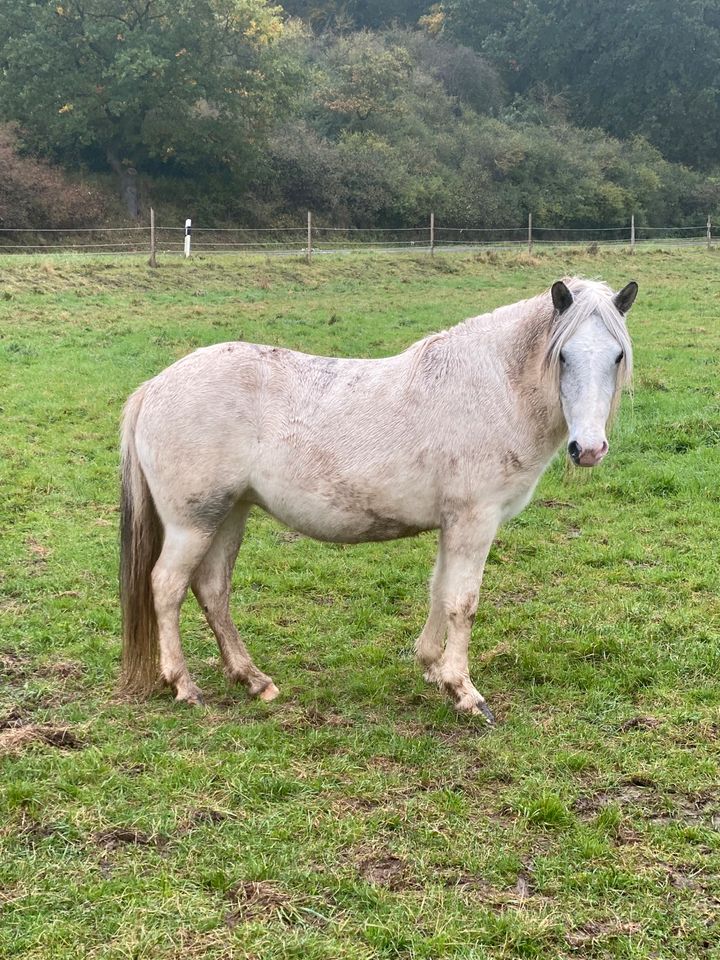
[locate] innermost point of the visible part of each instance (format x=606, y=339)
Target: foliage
x=644, y=67
x=481, y=113
x=386, y=131
x=33, y=193
x=189, y=84
x=356, y=14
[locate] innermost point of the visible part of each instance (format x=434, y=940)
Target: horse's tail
x=141, y=537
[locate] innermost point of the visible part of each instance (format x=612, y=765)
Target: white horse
x=453, y=434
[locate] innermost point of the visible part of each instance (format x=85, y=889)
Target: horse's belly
x=343, y=519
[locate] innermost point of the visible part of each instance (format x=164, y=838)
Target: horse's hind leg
x=183, y=549
x=211, y=584
x=429, y=645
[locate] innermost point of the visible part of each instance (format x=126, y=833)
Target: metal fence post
x=530, y=240
x=432, y=234
x=308, y=252
x=709, y=234
x=188, y=233
x=632, y=233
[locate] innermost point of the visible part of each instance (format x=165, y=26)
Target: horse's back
x=316, y=441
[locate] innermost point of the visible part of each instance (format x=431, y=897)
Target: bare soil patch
x=14, y=739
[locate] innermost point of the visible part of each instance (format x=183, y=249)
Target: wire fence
x=312, y=238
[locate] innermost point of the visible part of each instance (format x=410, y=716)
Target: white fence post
x=530, y=233
x=308, y=252
x=632, y=233
x=152, y=261
x=188, y=233
x=432, y=234
x=709, y=234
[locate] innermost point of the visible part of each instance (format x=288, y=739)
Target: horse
x=453, y=435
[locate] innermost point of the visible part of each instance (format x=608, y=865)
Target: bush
x=34, y=194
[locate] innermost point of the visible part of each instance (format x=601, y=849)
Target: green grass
x=358, y=816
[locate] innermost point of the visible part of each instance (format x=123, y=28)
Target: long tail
x=141, y=537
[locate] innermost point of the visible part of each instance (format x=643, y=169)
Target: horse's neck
x=519, y=336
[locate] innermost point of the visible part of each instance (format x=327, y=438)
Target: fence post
x=632, y=233
x=530, y=233
x=152, y=261
x=709, y=234
x=432, y=234
x=308, y=250
x=188, y=233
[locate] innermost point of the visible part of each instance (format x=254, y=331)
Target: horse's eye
x=619, y=357
x=562, y=357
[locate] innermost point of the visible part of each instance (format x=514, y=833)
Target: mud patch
x=385, y=871
x=15, y=739
x=119, y=837
x=39, y=553
x=259, y=900
x=313, y=719
x=596, y=930
x=639, y=723
x=520, y=895
x=12, y=720
x=652, y=804
x=205, y=816
x=63, y=669
x=13, y=667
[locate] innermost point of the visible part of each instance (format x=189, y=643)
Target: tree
x=634, y=67
x=141, y=84
x=363, y=79
x=357, y=14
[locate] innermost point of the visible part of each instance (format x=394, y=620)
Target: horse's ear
x=561, y=296
x=626, y=297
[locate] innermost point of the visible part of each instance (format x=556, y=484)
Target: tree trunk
x=127, y=175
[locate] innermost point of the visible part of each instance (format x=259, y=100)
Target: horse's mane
x=539, y=328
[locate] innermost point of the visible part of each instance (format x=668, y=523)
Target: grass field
x=358, y=816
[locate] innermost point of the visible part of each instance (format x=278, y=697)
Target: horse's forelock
x=590, y=298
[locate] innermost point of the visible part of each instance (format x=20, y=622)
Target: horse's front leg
x=463, y=550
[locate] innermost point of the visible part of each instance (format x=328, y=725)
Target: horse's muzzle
x=587, y=456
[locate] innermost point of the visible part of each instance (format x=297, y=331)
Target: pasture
x=358, y=816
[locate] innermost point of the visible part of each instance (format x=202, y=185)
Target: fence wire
x=293, y=240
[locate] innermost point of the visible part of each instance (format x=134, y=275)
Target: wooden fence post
x=632, y=233
x=308, y=252
x=188, y=233
x=432, y=234
x=530, y=240
x=152, y=261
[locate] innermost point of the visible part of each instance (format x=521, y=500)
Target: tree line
x=373, y=113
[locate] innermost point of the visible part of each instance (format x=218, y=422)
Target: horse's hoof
x=269, y=693
x=476, y=708
x=432, y=674
x=483, y=710
x=191, y=698
x=196, y=701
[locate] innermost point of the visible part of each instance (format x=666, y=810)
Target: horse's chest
x=516, y=502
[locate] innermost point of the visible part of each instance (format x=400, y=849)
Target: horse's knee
x=461, y=609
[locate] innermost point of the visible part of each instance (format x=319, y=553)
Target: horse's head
x=592, y=354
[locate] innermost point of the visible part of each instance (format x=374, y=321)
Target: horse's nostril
x=574, y=449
